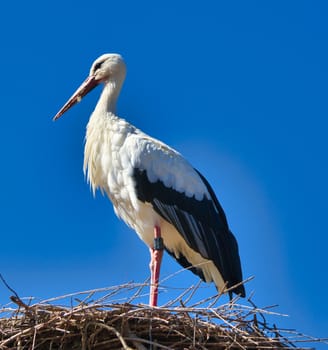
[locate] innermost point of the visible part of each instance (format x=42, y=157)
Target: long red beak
x=89, y=84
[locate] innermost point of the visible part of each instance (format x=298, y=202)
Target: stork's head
x=107, y=67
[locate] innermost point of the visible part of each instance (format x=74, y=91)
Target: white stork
x=154, y=189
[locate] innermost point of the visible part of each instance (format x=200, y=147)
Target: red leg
x=156, y=254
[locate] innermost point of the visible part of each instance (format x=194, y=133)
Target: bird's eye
x=97, y=66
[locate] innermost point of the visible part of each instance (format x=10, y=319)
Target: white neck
x=108, y=97
x=98, y=131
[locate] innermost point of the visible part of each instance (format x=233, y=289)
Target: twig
x=115, y=331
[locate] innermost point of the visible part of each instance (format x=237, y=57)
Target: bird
x=154, y=189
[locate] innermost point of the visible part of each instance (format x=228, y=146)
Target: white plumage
x=152, y=186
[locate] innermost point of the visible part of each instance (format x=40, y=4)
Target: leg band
x=158, y=243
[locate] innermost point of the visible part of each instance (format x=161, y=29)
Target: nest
x=111, y=318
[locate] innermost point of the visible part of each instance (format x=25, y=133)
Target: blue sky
x=239, y=88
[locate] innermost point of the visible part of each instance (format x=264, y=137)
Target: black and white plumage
x=152, y=186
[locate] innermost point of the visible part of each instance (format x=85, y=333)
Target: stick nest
x=98, y=319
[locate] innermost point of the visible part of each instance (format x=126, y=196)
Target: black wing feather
x=202, y=224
